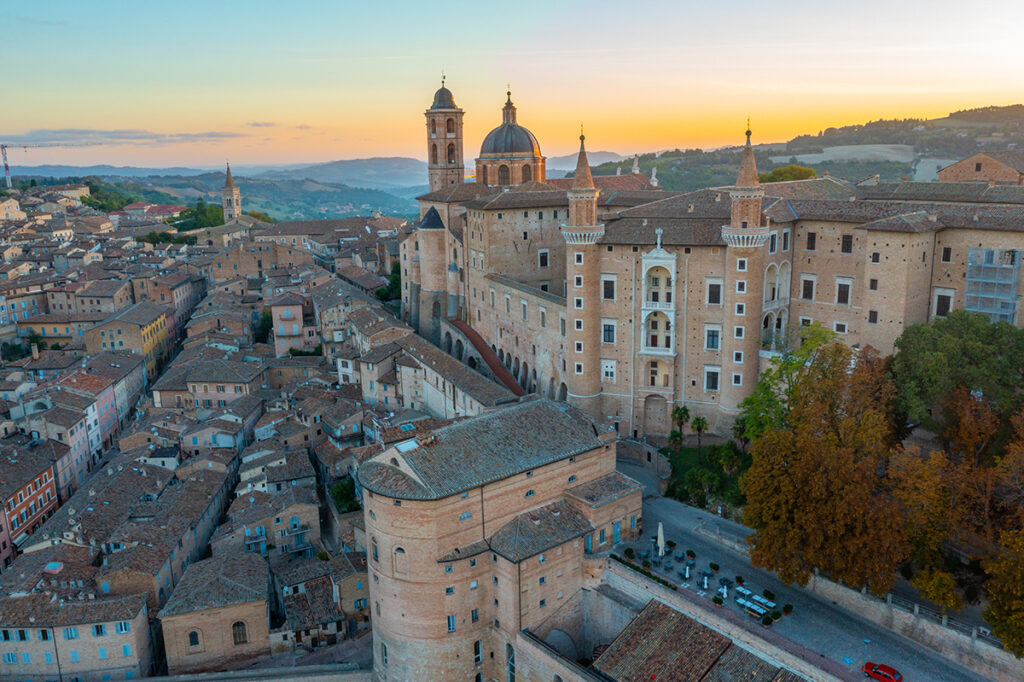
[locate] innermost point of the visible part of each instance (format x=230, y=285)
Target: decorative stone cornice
x=582, y=235
x=746, y=193
x=750, y=238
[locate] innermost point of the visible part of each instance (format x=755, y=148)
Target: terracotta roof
x=538, y=530
x=234, y=578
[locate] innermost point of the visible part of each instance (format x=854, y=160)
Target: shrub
x=646, y=564
x=690, y=553
x=767, y=620
x=769, y=595
x=717, y=600
x=323, y=556
x=739, y=580
x=629, y=553
x=787, y=609
x=776, y=614
x=714, y=566
x=671, y=544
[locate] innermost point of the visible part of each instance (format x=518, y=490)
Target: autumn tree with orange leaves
x=815, y=492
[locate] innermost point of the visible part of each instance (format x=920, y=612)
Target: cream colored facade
x=631, y=302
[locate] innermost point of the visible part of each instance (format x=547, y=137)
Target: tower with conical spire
x=231, y=198
x=745, y=238
x=583, y=290
x=444, y=141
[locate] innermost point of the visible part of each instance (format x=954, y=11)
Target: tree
x=1005, y=591
x=787, y=173
x=261, y=216
x=394, y=288
x=1010, y=471
x=699, y=425
x=970, y=424
x=938, y=587
x=767, y=406
x=680, y=417
x=700, y=483
x=962, y=349
x=814, y=491
x=739, y=432
x=675, y=439
x=930, y=501
x=262, y=332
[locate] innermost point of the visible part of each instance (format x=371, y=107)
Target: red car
x=880, y=671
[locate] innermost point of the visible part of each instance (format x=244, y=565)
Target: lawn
x=700, y=478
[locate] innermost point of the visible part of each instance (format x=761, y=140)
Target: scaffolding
x=993, y=277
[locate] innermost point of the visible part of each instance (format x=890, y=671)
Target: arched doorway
x=563, y=392
x=448, y=343
x=501, y=356
x=524, y=377
x=768, y=331
x=656, y=418
x=459, y=349
x=551, y=389
x=515, y=369
x=471, y=362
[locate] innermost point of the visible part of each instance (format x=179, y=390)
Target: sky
x=194, y=84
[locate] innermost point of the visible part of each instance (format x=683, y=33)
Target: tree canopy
x=203, y=215
x=787, y=173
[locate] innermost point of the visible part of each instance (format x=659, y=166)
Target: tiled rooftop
x=234, y=578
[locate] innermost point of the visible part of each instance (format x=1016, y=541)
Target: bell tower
x=231, y=198
x=582, y=271
x=444, y=141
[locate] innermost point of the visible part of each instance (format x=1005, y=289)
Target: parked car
x=882, y=672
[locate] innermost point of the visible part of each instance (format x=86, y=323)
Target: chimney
x=35, y=351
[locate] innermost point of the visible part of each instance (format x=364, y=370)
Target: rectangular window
x=943, y=302
x=873, y=285
x=737, y=332
x=451, y=623
x=872, y=317
x=523, y=309
x=474, y=615
x=812, y=240
x=608, y=287
x=876, y=257
x=542, y=258
x=807, y=288
x=712, y=337
x=947, y=254
x=601, y=537
x=608, y=371
x=70, y=633
x=10, y=659
x=846, y=243
x=99, y=630
x=737, y=357
x=711, y=375
x=785, y=240
x=126, y=650
x=543, y=318
x=842, y=292
x=579, y=368
x=123, y=627
x=713, y=294
x=772, y=240
x=478, y=652
x=737, y=379
x=608, y=331
x=741, y=309
x=101, y=653
x=578, y=303
x=578, y=258
x=741, y=264
x=839, y=327
x=741, y=286
x=577, y=281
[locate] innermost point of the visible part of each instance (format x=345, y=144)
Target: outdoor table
x=763, y=602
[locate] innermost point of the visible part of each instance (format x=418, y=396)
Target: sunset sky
x=195, y=83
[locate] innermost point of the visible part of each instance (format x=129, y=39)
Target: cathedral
x=626, y=300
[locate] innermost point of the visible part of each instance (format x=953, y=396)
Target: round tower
x=444, y=141
x=745, y=238
x=582, y=267
x=231, y=198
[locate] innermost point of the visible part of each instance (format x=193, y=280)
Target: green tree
x=1005, y=591
x=962, y=349
x=261, y=333
x=787, y=173
x=394, y=288
x=813, y=490
x=699, y=426
x=767, y=407
x=700, y=483
x=939, y=587
x=680, y=416
x=261, y=216
x=739, y=432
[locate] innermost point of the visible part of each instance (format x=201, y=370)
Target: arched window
x=510, y=658
x=433, y=127
x=483, y=174
x=450, y=125
x=193, y=638
x=433, y=154
x=238, y=633
x=383, y=654
x=399, y=560
x=451, y=154
x=527, y=174
x=503, y=175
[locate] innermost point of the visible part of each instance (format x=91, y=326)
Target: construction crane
x=3, y=152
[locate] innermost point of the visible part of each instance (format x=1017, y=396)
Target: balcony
x=295, y=530
x=657, y=350
x=775, y=304
x=659, y=305
x=299, y=548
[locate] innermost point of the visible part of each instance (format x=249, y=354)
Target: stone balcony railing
x=749, y=238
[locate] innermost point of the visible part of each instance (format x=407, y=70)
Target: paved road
x=815, y=623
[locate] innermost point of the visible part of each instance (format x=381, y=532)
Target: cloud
x=262, y=124
x=303, y=127
x=128, y=136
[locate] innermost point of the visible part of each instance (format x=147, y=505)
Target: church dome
x=509, y=137
x=443, y=99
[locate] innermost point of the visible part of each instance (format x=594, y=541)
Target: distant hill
x=892, y=149
x=385, y=173
x=569, y=160
x=101, y=171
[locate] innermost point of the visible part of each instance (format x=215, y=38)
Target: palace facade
x=626, y=300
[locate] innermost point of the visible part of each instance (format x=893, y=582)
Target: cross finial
x=659, y=232
x=442, y=77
